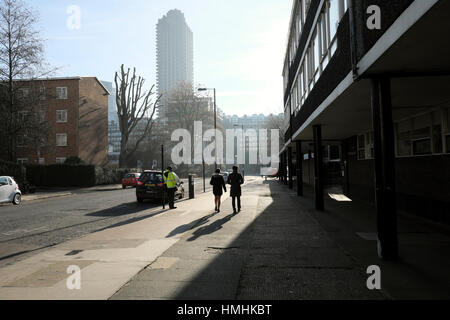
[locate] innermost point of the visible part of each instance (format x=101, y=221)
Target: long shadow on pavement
x=213, y=227
x=282, y=254
x=188, y=226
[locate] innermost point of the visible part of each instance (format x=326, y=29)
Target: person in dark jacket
x=236, y=180
x=218, y=183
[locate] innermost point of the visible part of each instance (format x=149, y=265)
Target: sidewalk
x=273, y=249
x=278, y=247
x=107, y=258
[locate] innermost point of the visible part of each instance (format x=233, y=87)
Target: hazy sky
x=239, y=45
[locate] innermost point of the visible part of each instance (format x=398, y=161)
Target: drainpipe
x=353, y=47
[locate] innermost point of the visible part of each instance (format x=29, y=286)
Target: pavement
x=277, y=247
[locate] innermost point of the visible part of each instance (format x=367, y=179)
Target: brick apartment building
x=76, y=110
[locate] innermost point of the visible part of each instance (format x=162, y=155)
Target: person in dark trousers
x=171, y=185
x=236, y=180
x=218, y=183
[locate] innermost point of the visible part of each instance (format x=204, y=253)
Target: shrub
x=61, y=175
x=73, y=160
x=13, y=170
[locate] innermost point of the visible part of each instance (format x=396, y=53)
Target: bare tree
x=21, y=58
x=135, y=110
x=184, y=107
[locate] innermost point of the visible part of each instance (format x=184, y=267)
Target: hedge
x=13, y=170
x=64, y=175
x=61, y=175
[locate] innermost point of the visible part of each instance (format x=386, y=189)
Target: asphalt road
x=36, y=225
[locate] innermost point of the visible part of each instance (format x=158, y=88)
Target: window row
x=61, y=93
x=321, y=48
x=24, y=161
x=61, y=140
x=424, y=134
x=61, y=116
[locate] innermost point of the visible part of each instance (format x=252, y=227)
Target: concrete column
x=318, y=168
x=282, y=167
x=290, y=168
x=344, y=165
x=299, y=168
x=285, y=172
x=384, y=168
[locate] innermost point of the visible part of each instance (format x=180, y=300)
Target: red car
x=130, y=180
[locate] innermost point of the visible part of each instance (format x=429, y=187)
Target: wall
x=93, y=126
x=422, y=184
x=50, y=105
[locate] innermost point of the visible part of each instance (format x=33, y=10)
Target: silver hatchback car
x=9, y=191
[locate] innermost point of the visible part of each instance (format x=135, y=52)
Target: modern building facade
x=114, y=134
x=76, y=111
x=174, y=53
x=373, y=78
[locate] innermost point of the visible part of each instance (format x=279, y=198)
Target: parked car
x=130, y=180
x=150, y=185
x=9, y=191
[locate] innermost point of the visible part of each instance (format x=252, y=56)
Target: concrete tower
x=174, y=53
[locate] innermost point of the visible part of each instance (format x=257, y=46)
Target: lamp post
x=243, y=148
x=215, y=119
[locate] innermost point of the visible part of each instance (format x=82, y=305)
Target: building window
x=306, y=5
x=41, y=161
x=365, y=144
x=23, y=93
x=23, y=116
x=42, y=95
x=42, y=116
x=334, y=17
x=60, y=160
x=299, y=20
x=404, y=138
x=61, y=116
x=61, y=140
x=423, y=134
x=21, y=141
x=22, y=161
x=370, y=150
x=361, y=147
x=61, y=93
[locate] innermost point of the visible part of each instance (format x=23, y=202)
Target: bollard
x=191, y=187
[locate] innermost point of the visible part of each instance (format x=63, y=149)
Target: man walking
x=236, y=180
x=171, y=184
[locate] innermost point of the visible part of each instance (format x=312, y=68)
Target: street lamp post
x=215, y=119
x=243, y=149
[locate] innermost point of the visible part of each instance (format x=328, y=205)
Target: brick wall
x=93, y=128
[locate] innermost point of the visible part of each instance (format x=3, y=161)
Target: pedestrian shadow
x=122, y=210
x=213, y=227
x=189, y=226
x=132, y=220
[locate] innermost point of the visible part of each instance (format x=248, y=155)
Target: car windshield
x=3, y=181
x=152, y=177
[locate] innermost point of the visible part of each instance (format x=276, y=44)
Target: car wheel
x=140, y=200
x=17, y=199
x=124, y=187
